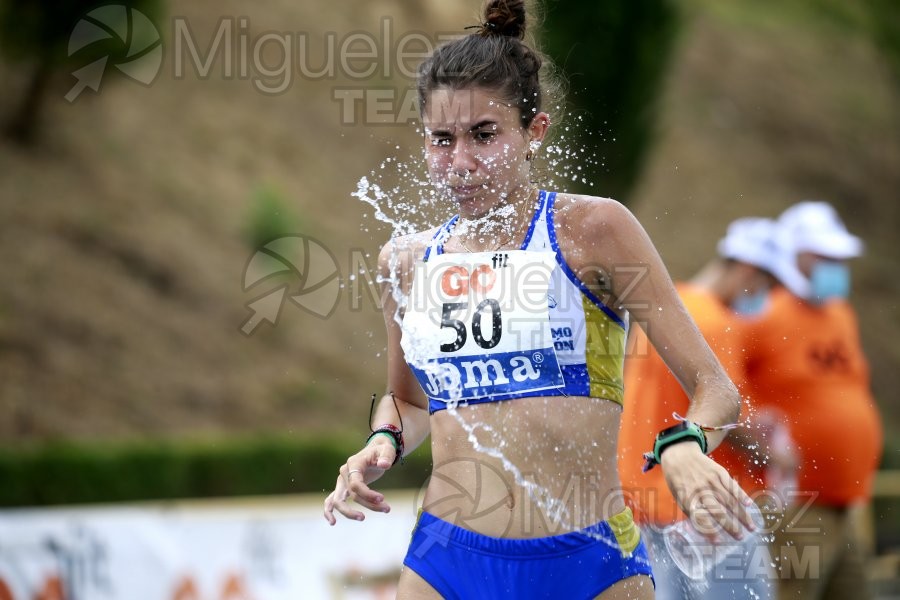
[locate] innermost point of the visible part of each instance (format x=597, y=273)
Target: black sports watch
x=685, y=431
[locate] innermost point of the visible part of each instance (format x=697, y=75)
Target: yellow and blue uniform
x=494, y=326
x=586, y=338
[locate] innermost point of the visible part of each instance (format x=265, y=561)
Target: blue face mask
x=829, y=280
x=749, y=305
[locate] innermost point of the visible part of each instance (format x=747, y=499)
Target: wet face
x=476, y=147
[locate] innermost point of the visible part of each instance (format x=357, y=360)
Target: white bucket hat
x=761, y=242
x=814, y=226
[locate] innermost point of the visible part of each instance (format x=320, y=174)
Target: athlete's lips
x=465, y=191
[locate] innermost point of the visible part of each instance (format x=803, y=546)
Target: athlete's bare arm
x=404, y=406
x=600, y=235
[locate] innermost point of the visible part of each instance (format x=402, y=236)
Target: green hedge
x=69, y=473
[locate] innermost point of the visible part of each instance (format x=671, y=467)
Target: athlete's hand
x=362, y=468
x=706, y=492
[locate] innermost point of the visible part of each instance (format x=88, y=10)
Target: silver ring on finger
x=352, y=471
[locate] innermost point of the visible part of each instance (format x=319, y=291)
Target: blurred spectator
x=729, y=290
x=805, y=364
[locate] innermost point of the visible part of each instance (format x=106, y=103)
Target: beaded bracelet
x=388, y=429
x=396, y=436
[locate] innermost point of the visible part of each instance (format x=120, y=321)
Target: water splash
x=403, y=197
x=541, y=496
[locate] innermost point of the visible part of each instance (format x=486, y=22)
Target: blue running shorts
x=462, y=564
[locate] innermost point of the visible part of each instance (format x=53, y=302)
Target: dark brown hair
x=493, y=58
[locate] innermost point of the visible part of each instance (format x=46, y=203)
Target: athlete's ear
x=538, y=127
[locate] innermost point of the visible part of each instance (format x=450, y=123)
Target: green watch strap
x=684, y=431
x=386, y=434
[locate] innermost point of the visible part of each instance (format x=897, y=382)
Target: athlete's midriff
x=563, y=447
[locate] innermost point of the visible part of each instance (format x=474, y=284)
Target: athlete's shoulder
x=411, y=241
x=591, y=211
x=603, y=226
x=582, y=202
x=402, y=251
x=578, y=212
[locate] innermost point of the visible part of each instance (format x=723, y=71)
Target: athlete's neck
x=500, y=224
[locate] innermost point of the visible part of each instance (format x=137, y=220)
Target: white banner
x=224, y=550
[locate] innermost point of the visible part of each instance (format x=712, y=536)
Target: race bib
x=477, y=325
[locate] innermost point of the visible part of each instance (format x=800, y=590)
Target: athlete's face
x=476, y=146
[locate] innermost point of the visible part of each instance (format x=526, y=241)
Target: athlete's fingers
x=727, y=521
x=329, y=509
x=355, y=473
x=737, y=501
x=720, y=504
x=705, y=512
x=338, y=500
x=714, y=511
x=366, y=465
x=341, y=496
x=343, y=507
x=733, y=517
x=367, y=497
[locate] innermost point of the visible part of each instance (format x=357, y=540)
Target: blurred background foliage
x=37, y=34
x=67, y=473
x=270, y=217
x=614, y=57
x=128, y=216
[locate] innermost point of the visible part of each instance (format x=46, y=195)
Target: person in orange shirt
x=806, y=364
x=729, y=290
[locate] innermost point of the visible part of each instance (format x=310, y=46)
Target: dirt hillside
x=766, y=109
x=124, y=230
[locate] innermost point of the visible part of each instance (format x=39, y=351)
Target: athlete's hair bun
x=495, y=57
x=504, y=17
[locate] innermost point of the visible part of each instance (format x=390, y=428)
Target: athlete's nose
x=463, y=161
